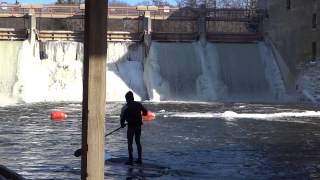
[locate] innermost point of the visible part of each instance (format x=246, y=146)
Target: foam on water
x=231, y=115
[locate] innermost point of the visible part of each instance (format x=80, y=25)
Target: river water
x=185, y=141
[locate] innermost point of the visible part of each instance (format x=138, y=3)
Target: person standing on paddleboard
x=131, y=112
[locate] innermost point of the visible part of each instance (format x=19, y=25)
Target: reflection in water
x=140, y=171
x=134, y=175
x=175, y=146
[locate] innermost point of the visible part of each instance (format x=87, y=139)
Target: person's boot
x=139, y=161
x=129, y=162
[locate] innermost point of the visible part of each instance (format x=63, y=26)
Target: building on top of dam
x=293, y=27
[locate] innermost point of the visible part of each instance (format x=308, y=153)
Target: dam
x=213, y=77
x=214, y=55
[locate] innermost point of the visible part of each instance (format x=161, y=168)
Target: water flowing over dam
x=8, y=69
x=218, y=71
x=171, y=72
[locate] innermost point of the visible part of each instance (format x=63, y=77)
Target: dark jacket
x=131, y=113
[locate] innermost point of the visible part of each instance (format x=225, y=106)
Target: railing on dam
x=13, y=34
x=163, y=12
x=46, y=35
x=57, y=22
x=64, y=11
x=174, y=37
x=234, y=37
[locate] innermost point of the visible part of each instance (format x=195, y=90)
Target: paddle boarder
x=131, y=112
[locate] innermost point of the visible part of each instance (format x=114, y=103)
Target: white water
x=8, y=63
x=125, y=71
x=172, y=72
x=228, y=72
x=27, y=78
x=231, y=115
x=57, y=78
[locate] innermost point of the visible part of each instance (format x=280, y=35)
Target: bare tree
x=207, y=3
x=179, y=3
x=69, y=1
x=154, y=2
x=144, y=3
x=234, y=3
x=189, y=3
x=157, y=2
x=117, y=3
x=217, y=3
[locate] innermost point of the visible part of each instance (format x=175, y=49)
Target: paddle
x=112, y=131
x=78, y=152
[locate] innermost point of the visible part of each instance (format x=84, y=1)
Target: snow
x=308, y=82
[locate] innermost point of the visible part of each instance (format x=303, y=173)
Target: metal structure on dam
x=134, y=23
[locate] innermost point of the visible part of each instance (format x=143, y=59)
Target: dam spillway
x=176, y=55
x=170, y=72
x=8, y=61
x=216, y=71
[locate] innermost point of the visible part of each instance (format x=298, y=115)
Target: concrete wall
x=182, y=21
x=174, y=26
x=291, y=30
x=12, y=22
x=73, y=24
x=130, y=25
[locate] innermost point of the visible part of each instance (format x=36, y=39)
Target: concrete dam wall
x=171, y=72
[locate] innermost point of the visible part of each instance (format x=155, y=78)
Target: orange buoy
x=149, y=117
x=58, y=116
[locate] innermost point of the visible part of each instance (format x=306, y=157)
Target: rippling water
x=185, y=141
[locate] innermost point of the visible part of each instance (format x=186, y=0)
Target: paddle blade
x=77, y=153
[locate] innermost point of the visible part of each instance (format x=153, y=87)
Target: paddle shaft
x=78, y=152
x=112, y=132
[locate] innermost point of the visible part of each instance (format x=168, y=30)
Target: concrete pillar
x=32, y=30
x=32, y=26
x=202, y=26
x=94, y=90
x=147, y=27
x=147, y=22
